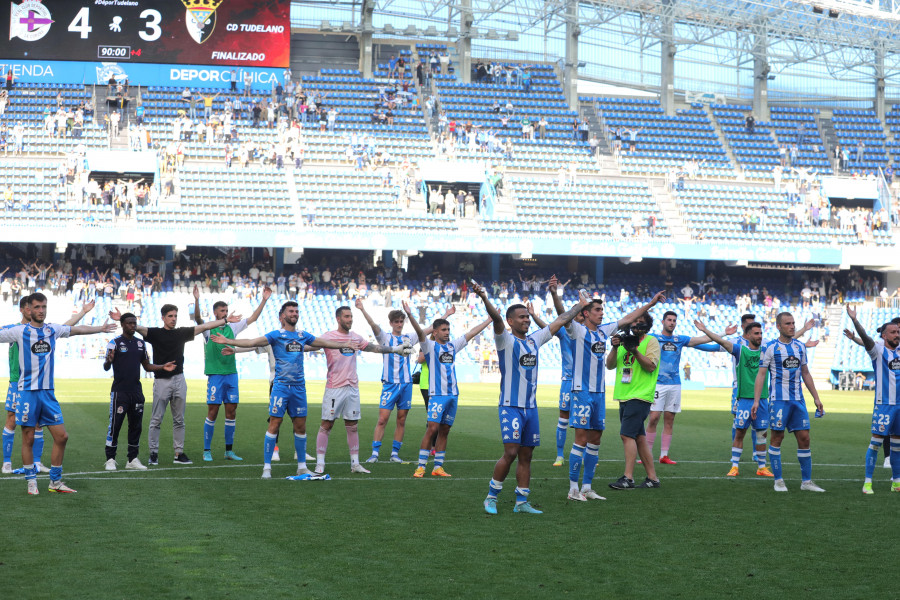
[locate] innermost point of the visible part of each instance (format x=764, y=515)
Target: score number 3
x=81, y=24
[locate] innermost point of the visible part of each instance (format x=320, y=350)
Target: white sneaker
x=6, y=469
x=887, y=462
x=302, y=469
x=32, y=487
x=267, y=473
x=295, y=456
x=308, y=457
x=135, y=464
x=110, y=465
x=591, y=495
x=576, y=495
x=810, y=486
x=358, y=468
x=396, y=459
x=60, y=488
x=372, y=459
x=276, y=457
x=320, y=468
x=41, y=468
x=780, y=486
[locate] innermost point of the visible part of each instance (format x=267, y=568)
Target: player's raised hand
x=115, y=314
x=87, y=307
x=170, y=366
x=809, y=324
x=359, y=303
x=699, y=325
x=218, y=338
x=233, y=318
x=108, y=327
x=196, y=292
x=405, y=349
x=552, y=284
x=583, y=298
x=406, y=308
x=267, y=293
x=731, y=329
x=658, y=297
x=529, y=307
x=811, y=343
x=851, y=312
x=228, y=351
x=479, y=290
x=849, y=335
x=451, y=310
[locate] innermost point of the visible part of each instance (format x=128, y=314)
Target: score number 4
x=81, y=24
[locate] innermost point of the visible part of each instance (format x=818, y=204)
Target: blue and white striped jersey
x=887, y=373
x=565, y=353
x=441, y=360
x=785, y=364
x=396, y=366
x=588, y=357
x=519, y=367
x=37, y=347
x=670, y=347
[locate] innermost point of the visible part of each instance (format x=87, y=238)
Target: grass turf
x=215, y=530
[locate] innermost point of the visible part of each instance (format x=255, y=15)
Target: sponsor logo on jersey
x=40, y=347
x=348, y=351
x=894, y=365
x=669, y=347
x=791, y=362
x=293, y=346
x=446, y=358
x=598, y=347
x=123, y=348
x=528, y=361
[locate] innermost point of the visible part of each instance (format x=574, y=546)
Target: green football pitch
x=216, y=530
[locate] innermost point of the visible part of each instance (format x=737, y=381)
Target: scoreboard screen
x=250, y=33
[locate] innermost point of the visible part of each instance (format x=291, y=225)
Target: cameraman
x=636, y=361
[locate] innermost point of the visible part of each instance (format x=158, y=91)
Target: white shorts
x=341, y=403
x=667, y=399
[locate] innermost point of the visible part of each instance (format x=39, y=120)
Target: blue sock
x=805, y=459
x=38, y=447
x=376, y=448
x=30, y=471
x=522, y=495
x=395, y=448
x=494, y=488
x=8, y=438
x=576, y=455
x=55, y=473
x=300, y=447
x=753, y=437
x=895, y=459
x=269, y=448
x=439, y=459
x=423, y=457
x=591, y=459
x=775, y=459
x=562, y=428
x=872, y=456
x=229, y=432
x=760, y=456
x=736, y=456
x=733, y=432
x=209, y=429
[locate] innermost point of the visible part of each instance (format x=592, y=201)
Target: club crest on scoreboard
x=29, y=21
x=108, y=70
x=200, y=18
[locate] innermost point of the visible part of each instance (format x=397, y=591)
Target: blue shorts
x=588, y=410
x=565, y=395
x=886, y=420
x=520, y=426
x=785, y=414
x=38, y=408
x=742, y=419
x=442, y=409
x=12, y=396
x=396, y=395
x=290, y=398
x=222, y=388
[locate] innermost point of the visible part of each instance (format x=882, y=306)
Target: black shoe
x=182, y=459
x=154, y=459
x=650, y=483
x=622, y=483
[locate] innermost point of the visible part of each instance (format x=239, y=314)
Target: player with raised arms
x=783, y=360
x=443, y=392
x=517, y=352
x=588, y=408
x=747, y=355
x=667, y=399
x=37, y=403
x=396, y=379
x=885, y=355
x=221, y=373
x=289, y=387
x=12, y=393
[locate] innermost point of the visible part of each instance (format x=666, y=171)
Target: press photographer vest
x=643, y=384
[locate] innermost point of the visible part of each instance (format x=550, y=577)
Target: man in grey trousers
x=169, y=387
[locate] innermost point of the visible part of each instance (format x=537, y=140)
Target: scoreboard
x=250, y=33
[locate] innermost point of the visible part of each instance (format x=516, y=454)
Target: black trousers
x=122, y=405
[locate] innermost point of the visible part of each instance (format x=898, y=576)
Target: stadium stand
x=754, y=148
x=854, y=127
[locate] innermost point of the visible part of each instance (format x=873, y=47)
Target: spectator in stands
x=248, y=83
x=4, y=101
x=420, y=74
x=750, y=123
x=526, y=80
x=860, y=150
x=10, y=77
x=207, y=105
x=114, y=119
